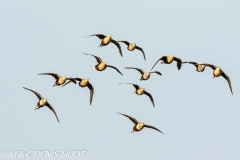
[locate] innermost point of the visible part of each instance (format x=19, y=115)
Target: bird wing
x=191, y=62
x=56, y=76
x=114, y=68
x=134, y=85
x=150, y=96
x=140, y=70
x=148, y=126
x=51, y=108
x=97, y=58
x=179, y=62
x=126, y=42
x=71, y=79
x=75, y=79
x=162, y=58
x=210, y=65
x=100, y=36
x=131, y=118
x=118, y=45
x=156, y=72
x=139, y=48
x=228, y=80
x=36, y=93
x=91, y=88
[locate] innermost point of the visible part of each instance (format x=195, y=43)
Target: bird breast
x=146, y=75
x=201, y=68
x=106, y=40
x=139, y=126
x=42, y=102
x=101, y=66
x=83, y=83
x=169, y=59
x=217, y=72
x=131, y=47
x=61, y=80
x=140, y=91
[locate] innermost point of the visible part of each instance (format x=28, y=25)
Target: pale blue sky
x=198, y=115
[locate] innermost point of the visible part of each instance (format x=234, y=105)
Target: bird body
x=199, y=67
x=138, y=126
x=140, y=91
x=131, y=46
x=217, y=72
x=106, y=40
x=83, y=83
x=43, y=102
x=101, y=66
x=145, y=75
x=169, y=60
x=60, y=81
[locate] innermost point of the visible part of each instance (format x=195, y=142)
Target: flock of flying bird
x=101, y=66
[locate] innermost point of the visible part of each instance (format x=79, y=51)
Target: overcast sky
x=197, y=114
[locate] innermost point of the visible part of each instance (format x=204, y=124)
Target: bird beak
x=132, y=131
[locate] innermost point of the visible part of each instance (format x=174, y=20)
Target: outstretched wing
x=131, y=118
x=228, y=80
x=51, y=108
x=162, y=58
x=126, y=42
x=96, y=57
x=148, y=126
x=71, y=79
x=36, y=93
x=139, y=48
x=156, y=72
x=210, y=65
x=115, y=69
x=150, y=96
x=100, y=36
x=91, y=88
x=56, y=76
x=179, y=62
x=134, y=85
x=118, y=45
x=140, y=70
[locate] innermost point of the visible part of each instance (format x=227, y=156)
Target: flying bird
x=60, y=80
x=83, y=82
x=217, y=71
x=101, y=66
x=138, y=126
x=199, y=67
x=169, y=60
x=145, y=75
x=133, y=46
x=106, y=40
x=43, y=102
x=140, y=91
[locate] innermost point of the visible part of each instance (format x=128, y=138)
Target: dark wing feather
x=115, y=69
x=56, y=76
x=228, y=80
x=148, y=126
x=71, y=79
x=134, y=85
x=162, y=58
x=131, y=118
x=100, y=36
x=51, y=108
x=118, y=45
x=139, y=48
x=126, y=42
x=96, y=57
x=210, y=65
x=36, y=93
x=150, y=96
x=139, y=69
x=193, y=63
x=91, y=88
x=156, y=72
x=179, y=62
